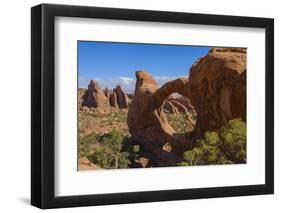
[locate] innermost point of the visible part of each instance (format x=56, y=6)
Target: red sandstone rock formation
x=86, y=164
x=97, y=98
x=122, y=98
x=81, y=93
x=94, y=96
x=217, y=85
x=216, y=88
x=106, y=92
x=178, y=105
x=130, y=95
x=185, y=102
x=169, y=107
x=113, y=99
x=147, y=121
x=181, y=105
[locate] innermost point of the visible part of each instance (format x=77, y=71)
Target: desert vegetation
x=180, y=122
x=109, y=145
x=226, y=146
x=204, y=125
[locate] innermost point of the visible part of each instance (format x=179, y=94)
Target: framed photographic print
x=139, y=106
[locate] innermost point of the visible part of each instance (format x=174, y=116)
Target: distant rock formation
x=113, y=99
x=94, y=96
x=122, y=98
x=216, y=88
x=81, y=94
x=106, y=92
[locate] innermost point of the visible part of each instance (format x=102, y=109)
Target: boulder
x=85, y=164
x=144, y=162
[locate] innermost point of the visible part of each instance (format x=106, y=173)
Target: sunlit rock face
x=147, y=121
x=122, y=98
x=217, y=85
x=95, y=96
x=215, y=90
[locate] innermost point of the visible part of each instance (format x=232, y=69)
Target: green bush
x=86, y=142
x=226, y=146
x=135, y=149
x=108, y=154
x=233, y=139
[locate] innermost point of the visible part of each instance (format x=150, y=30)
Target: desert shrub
x=226, y=146
x=109, y=153
x=135, y=148
x=86, y=142
x=179, y=122
x=233, y=139
x=131, y=148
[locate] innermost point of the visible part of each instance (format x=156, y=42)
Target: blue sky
x=115, y=63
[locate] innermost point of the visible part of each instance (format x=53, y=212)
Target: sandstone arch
x=216, y=88
x=146, y=119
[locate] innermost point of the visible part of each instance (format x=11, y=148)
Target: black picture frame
x=43, y=110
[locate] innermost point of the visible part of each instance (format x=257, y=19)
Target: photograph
x=133, y=105
x=146, y=105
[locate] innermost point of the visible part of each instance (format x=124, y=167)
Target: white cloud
x=126, y=80
x=127, y=83
x=163, y=79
